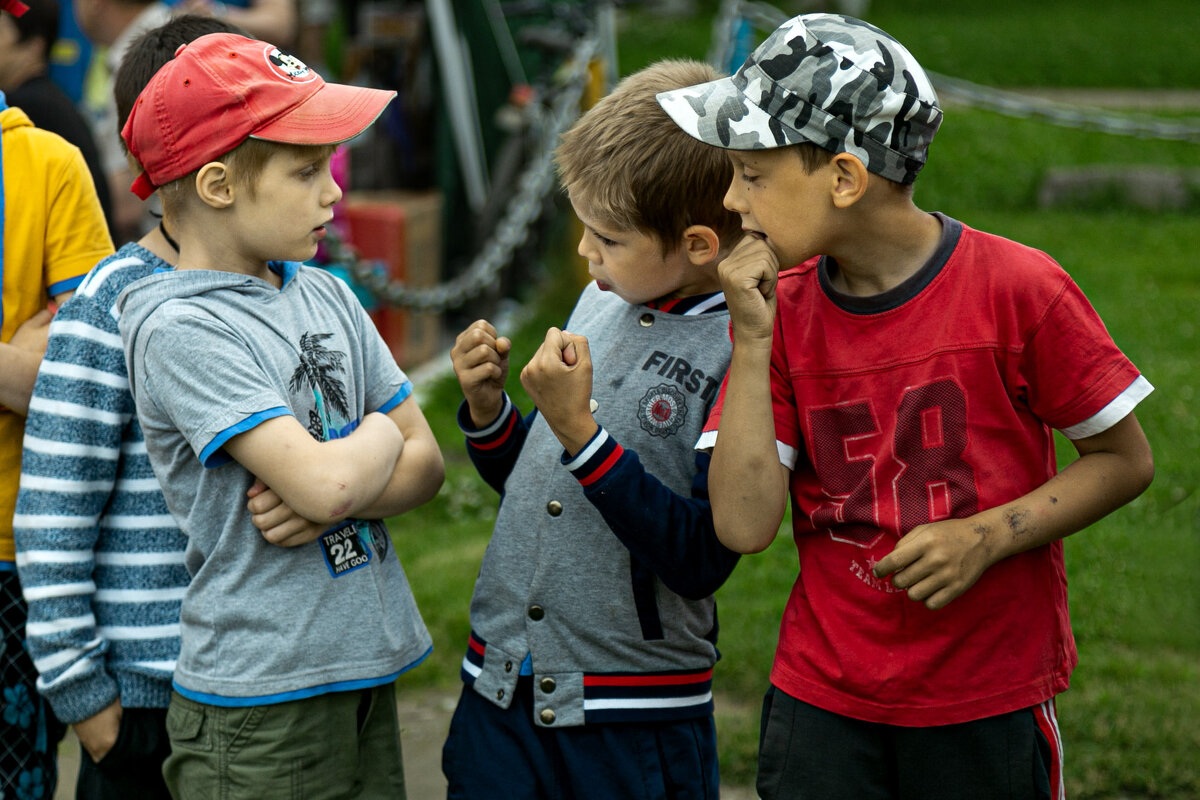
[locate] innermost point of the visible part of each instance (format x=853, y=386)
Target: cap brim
x=720, y=114
x=334, y=113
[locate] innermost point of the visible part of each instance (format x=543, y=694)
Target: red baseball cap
x=221, y=89
x=14, y=7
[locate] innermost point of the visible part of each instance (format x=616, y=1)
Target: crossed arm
x=389, y=465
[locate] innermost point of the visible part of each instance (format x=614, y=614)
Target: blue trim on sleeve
x=207, y=454
x=69, y=285
x=298, y=694
x=8, y=566
x=398, y=398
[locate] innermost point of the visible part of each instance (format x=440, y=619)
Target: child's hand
x=32, y=335
x=279, y=524
x=98, y=733
x=480, y=359
x=559, y=380
x=748, y=276
x=938, y=562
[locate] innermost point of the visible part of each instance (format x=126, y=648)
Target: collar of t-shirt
x=284, y=269
x=905, y=291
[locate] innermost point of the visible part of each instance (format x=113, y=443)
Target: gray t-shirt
x=211, y=354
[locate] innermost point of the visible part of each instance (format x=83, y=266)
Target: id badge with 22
x=345, y=549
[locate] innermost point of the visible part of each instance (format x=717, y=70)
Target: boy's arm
x=325, y=482
x=939, y=561
x=69, y=470
x=672, y=535
x=416, y=479
x=419, y=471
x=494, y=429
x=493, y=449
x=747, y=483
x=20, y=357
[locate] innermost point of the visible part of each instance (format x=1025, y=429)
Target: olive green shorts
x=337, y=745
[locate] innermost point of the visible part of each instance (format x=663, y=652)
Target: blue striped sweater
x=99, y=556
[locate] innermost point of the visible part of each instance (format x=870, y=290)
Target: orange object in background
x=402, y=230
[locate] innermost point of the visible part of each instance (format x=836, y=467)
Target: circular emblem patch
x=288, y=66
x=662, y=410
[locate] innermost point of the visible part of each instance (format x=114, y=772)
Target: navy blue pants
x=499, y=754
x=806, y=753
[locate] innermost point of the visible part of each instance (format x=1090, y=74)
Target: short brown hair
x=812, y=156
x=637, y=170
x=245, y=163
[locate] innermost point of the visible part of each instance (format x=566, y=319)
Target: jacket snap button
x=547, y=685
x=547, y=716
x=508, y=666
x=554, y=508
x=646, y=320
x=499, y=694
x=536, y=613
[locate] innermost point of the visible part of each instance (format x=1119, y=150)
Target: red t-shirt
x=932, y=401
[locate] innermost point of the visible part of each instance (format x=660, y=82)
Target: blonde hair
x=245, y=163
x=635, y=169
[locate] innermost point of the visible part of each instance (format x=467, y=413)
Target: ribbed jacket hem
x=625, y=696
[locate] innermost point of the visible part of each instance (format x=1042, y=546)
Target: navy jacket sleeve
x=672, y=535
x=494, y=449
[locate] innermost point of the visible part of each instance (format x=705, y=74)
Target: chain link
x=1021, y=106
x=1012, y=104
x=538, y=178
x=534, y=184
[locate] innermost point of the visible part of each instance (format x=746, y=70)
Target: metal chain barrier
x=538, y=178
x=735, y=14
x=512, y=230
x=1014, y=104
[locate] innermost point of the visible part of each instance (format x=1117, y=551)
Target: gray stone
x=1153, y=188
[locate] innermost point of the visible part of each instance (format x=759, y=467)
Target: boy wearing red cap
x=241, y=366
x=901, y=379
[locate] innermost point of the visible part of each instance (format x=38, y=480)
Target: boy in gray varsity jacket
x=589, y=668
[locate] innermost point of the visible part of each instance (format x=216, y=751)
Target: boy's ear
x=850, y=178
x=214, y=185
x=701, y=244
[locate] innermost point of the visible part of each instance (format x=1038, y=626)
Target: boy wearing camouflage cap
x=902, y=382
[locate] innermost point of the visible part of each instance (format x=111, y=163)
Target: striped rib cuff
x=493, y=435
x=596, y=459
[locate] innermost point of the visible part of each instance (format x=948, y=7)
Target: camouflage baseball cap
x=835, y=81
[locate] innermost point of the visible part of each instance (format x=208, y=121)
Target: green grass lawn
x=1131, y=721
